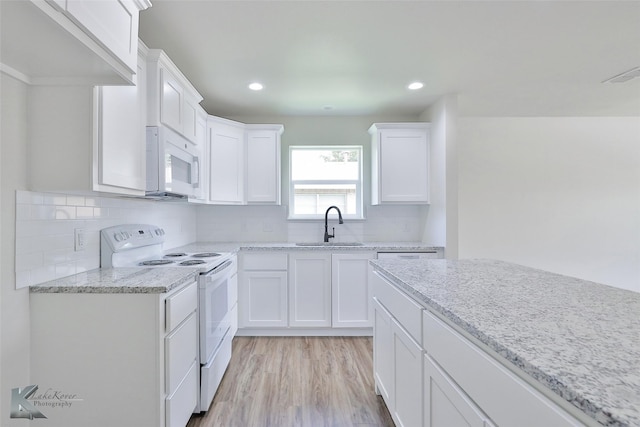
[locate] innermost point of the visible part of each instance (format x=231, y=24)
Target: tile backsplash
x=402, y=223
x=46, y=223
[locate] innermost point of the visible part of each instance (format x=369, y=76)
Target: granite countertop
x=160, y=280
x=578, y=338
x=135, y=280
x=288, y=246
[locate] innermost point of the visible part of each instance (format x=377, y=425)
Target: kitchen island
x=577, y=342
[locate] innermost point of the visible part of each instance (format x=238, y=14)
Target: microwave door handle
x=195, y=178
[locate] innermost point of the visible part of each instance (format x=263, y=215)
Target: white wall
x=256, y=223
x=560, y=194
x=440, y=219
x=14, y=304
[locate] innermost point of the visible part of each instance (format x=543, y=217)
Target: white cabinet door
x=226, y=164
x=263, y=167
x=190, y=118
x=400, y=169
x=350, y=294
x=407, y=367
x=113, y=24
x=310, y=289
x=383, y=353
x=263, y=299
x=171, y=100
x=121, y=136
x=445, y=404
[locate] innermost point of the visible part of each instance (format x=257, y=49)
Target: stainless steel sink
x=329, y=244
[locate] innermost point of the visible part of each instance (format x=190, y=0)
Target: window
x=325, y=176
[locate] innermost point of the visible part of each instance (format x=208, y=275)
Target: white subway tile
x=75, y=200
x=84, y=212
x=65, y=269
x=65, y=212
x=43, y=274
x=23, y=279
x=29, y=261
x=54, y=199
x=23, y=212
x=42, y=212
x=28, y=197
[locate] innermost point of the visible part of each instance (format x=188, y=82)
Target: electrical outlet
x=79, y=239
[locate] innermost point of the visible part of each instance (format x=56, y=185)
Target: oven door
x=215, y=316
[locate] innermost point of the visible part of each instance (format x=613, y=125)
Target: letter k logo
x=20, y=406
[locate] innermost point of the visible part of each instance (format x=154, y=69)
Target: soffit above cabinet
x=40, y=45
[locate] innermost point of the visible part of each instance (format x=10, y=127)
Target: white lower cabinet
x=263, y=290
x=129, y=359
x=407, y=373
x=445, y=404
x=310, y=289
x=383, y=353
x=280, y=292
x=350, y=295
x=397, y=354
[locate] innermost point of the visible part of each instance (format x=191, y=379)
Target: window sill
x=332, y=218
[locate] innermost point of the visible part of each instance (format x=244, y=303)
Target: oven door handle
x=219, y=269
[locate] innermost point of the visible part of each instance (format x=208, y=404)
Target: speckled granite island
x=577, y=339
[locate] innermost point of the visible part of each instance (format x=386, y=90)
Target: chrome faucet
x=328, y=236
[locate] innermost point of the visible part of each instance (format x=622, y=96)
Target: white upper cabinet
x=95, y=42
x=263, y=164
x=400, y=163
x=120, y=136
x=171, y=100
x=243, y=162
x=86, y=139
x=226, y=161
x=113, y=23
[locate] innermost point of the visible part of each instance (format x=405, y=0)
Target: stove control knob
x=117, y=237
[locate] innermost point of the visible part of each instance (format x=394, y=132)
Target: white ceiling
x=514, y=58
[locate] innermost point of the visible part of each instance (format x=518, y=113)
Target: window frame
x=359, y=215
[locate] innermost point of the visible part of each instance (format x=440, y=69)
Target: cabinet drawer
x=181, y=348
x=409, y=255
x=512, y=401
x=271, y=261
x=180, y=405
x=406, y=311
x=180, y=305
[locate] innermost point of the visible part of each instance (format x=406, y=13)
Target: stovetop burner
x=176, y=255
x=205, y=255
x=193, y=262
x=156, y=262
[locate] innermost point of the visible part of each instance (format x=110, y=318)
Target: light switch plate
x=79, y=239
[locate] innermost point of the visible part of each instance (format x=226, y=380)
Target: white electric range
x=141, y=245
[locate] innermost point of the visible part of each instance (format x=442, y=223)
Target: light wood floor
x=297, y=381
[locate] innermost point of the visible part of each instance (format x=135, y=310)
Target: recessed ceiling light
x=256, y=86
x=415, y=85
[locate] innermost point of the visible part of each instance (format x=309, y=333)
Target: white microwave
x=173, y=168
